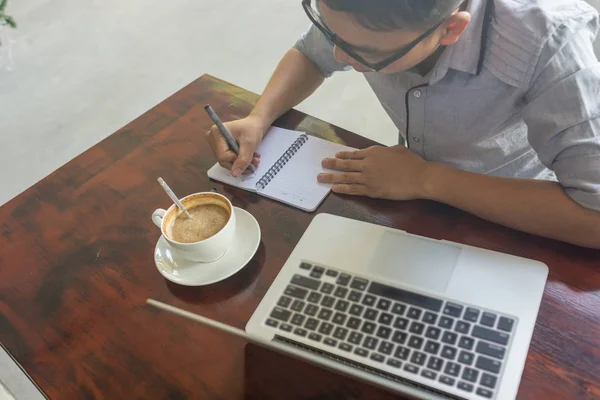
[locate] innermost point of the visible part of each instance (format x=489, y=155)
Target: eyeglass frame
x=346, y=47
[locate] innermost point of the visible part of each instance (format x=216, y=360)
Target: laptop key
x=314, y=297
x=467, y=387
x=315, y=336
x=377, y=357
x=398, y=309
x=297, y=305
x=345, y=347
x=298, y=319
x=340, y=292
x=470, y=374
x=435, y=363
x=284, y=301
x=449, y=337
x=305, y=265
x=483, y=392
x=325, y=328
x=418, y=358
x=453, y=309
x=327, y=288
x=392, y=362
x=353, y=323
x=311, y=310
x=402, y=353
x=370, y=343
x=281, y=314
x=340, y=333
x=325, y=314
x=359, y=284
x=384, y=332
x=343, y=280
x=405, y=296
x=466, y=342
x=506, y=324
x=369, y=300
x=300, y=332
x=341, y=305
x=432, y=347
x=488, y=319
x=462, y=327
x=295, y=291
x=415, y=342
x=411, y=368
x=446, y=380
x=448, y=352
x=433, y=332
x=386, y=347
x=339, y=318
x=272, y=323
x=429, y=317
x=384, y=304
x=306, y=282
x=429, y=374
x=368, y=328
x=371, y=314
x=286, y=327
x=356, y=309
x=488, y=364
x=355, y=338
x=416, y=328
x=311, y=324
x=317, y=272
x=328, y=301
x=481, y=332
x=466, y=358
x=330, y=342
x=400, y=323
x=385, y=318
x=471, y=314
x=452, y=369
x=414, y=313
x=446, y=322
x=331, y=273
x=490, y=349
x=488, y=380
x=399, y=337
x=361, y=352
x=355, y=296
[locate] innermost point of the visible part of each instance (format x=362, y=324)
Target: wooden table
x=76, y=265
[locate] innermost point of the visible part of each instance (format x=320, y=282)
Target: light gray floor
x=81, y=69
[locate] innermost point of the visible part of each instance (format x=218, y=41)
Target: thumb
x=243, y=159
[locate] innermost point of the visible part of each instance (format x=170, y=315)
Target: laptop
x=421, y=317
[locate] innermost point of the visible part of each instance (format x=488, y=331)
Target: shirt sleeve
x=317, y=48
x=562, y=109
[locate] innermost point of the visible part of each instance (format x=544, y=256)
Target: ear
x=455, y=27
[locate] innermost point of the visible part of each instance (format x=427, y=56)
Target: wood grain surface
x=76, y=265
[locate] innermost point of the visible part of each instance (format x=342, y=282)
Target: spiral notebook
x=289, y=165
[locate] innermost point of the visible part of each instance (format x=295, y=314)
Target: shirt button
x=416, y=139
x=417, y=94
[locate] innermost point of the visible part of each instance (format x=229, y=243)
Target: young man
x=497, y=103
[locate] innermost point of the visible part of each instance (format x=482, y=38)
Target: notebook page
x=296, y=183
x=274, y=144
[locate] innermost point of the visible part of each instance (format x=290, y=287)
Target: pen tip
x=206, y=107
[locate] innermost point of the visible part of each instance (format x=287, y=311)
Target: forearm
x=295, y=78
x=538, y=207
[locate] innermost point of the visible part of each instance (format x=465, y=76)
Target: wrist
x=260, y=122
x=432, y=181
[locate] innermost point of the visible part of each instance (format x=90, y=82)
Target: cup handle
x=157, y=217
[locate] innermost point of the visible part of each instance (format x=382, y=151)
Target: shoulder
x=522, y=30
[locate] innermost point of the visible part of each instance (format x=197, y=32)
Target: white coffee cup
x=207, y=250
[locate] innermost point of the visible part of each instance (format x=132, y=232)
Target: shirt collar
x=467, y=53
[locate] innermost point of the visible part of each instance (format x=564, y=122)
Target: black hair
x=389, y=15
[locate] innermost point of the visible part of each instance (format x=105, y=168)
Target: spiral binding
x=279, y=164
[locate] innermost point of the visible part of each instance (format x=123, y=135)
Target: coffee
x=207, y=220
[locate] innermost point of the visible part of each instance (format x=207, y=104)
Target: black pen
x=225, y=132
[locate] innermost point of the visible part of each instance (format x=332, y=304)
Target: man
x=497, y=103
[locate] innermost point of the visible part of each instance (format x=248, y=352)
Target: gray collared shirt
x=532, y=109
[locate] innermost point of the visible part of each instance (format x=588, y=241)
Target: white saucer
x=191, y=273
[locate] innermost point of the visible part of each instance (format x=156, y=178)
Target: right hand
x=248, y=132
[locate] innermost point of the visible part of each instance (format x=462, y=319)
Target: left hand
x=394, y=173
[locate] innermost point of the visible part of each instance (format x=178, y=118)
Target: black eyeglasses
x=318, y=21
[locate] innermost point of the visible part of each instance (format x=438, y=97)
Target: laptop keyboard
x=447, y=342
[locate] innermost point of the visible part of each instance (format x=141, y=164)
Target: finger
x=255, y=162
x=342, y=165
x=351, y=189
x=244, y=159
x=351, y=155
x=219, y=146
x=257, y=155
x=350, y=177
